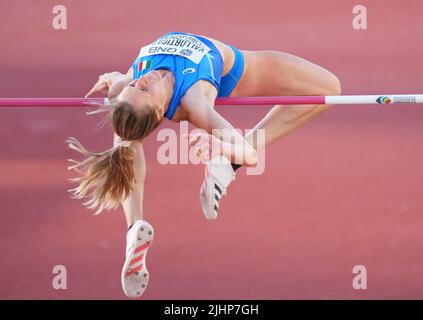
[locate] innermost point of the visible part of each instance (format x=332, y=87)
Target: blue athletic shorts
x=229, y=81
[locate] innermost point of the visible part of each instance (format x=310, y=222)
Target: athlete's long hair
x=110, y=173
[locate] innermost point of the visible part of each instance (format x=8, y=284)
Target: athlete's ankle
x=236, y=166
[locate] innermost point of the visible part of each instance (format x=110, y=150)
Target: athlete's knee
x=332, y=86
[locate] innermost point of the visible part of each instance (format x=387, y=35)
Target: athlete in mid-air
x=178, y=77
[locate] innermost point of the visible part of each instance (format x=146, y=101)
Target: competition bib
x=183, y=45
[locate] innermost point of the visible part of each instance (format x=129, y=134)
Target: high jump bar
x=264, y=100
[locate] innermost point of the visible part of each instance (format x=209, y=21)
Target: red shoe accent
x=142, y=247
x=132, y=271
x=135, y=260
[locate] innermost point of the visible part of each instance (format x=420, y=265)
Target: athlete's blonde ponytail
x=111, y=173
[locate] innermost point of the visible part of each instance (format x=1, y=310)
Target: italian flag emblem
x=146, y=64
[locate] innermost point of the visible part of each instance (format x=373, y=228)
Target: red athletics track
x=344, y=190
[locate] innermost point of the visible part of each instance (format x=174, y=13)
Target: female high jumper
x=178, y=77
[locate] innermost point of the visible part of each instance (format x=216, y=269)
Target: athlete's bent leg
x=282, y=120
x=275, y=73
x=291, y=75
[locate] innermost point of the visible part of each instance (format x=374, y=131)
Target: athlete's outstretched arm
x=111, y=83
x=233, y=144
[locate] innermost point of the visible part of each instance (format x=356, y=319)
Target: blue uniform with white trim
x=190, y=58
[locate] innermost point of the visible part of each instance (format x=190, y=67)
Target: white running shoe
x=134, y=273
x=218, y=175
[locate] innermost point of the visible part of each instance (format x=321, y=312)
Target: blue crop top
x=189, y=57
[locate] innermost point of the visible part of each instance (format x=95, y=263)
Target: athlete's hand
x=104, y=83
x=205, y=146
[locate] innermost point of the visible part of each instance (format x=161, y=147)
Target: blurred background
x=344, y=190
